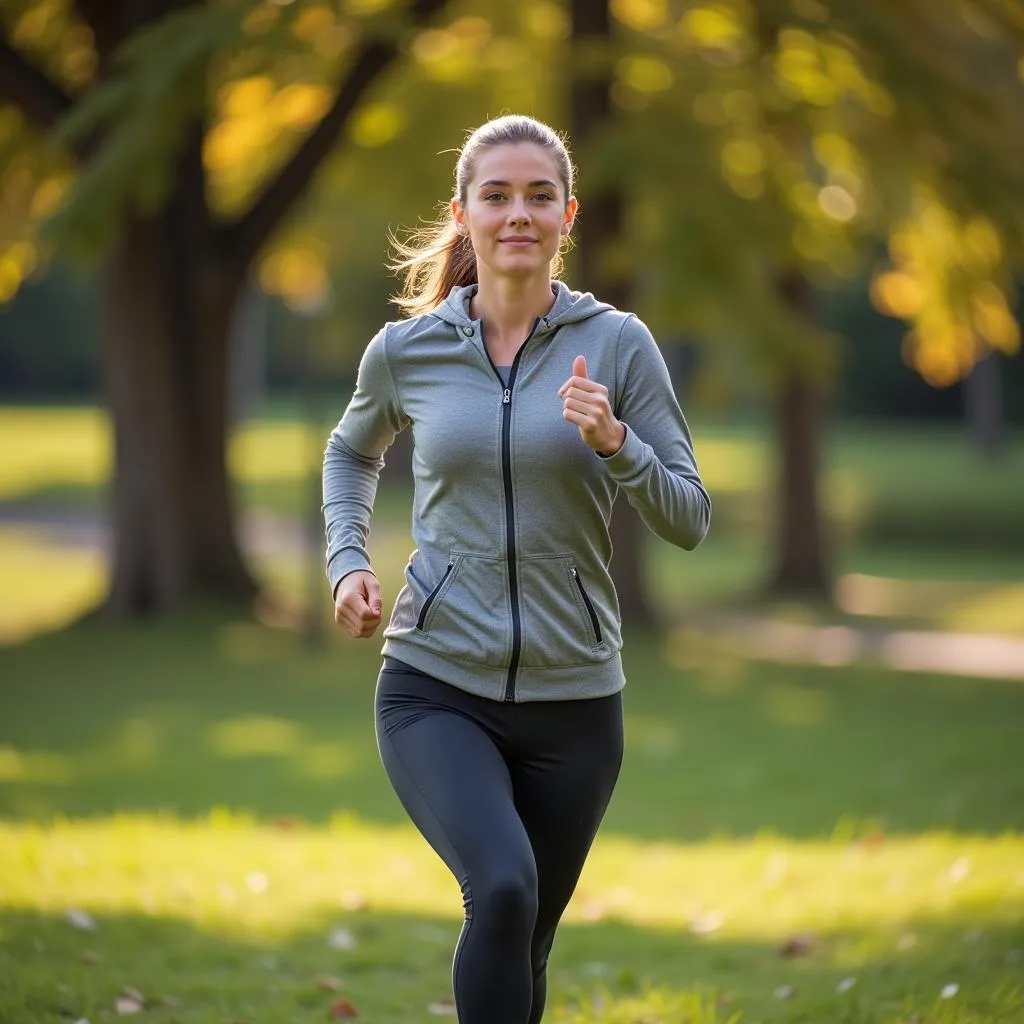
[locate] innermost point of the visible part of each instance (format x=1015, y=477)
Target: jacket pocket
x=561, y=624
x=592, y=614
x=466, y=614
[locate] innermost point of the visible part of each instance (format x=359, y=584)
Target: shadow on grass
x=399, y=964
x=206, y=712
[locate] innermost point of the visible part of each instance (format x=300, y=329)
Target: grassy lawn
x=208, y=793
x=193, y=813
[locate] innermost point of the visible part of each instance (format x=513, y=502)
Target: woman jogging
x=498, y=705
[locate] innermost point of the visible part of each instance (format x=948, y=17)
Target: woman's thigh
x=562, y=790
x=452, y=780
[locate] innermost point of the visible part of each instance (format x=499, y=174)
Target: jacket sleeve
x=655, y=466
x=354, y=458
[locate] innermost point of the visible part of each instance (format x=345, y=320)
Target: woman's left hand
x=585, y=403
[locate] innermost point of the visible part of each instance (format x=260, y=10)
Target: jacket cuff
x=629, y=459
x=344, y=562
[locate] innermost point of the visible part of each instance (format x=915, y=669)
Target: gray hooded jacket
x=508, y=593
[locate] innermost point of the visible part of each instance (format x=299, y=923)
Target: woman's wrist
x=618, y=440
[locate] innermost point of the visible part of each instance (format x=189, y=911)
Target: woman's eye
x=492, y=196
x=543, y=196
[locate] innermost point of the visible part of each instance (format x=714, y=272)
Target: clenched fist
x=585, y=403
x=357, y=604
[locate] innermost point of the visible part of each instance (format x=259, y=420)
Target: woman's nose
x=518, y=212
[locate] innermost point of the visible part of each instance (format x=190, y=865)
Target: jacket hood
x=570, y=307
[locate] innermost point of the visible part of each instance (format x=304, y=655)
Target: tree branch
x=243, y=239
x=39, y=96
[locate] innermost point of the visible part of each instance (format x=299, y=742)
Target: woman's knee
x=505, y=898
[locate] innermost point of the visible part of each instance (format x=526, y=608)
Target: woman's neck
x=509, y=308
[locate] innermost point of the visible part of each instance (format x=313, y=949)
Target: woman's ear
x=571, y=209
x=459, y=217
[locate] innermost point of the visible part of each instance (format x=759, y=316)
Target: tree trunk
x=802, y=566
x=983, y=406
x=170, y=288
x=166, y=341
x=598, y=229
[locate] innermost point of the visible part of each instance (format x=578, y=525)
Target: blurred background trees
x=809, y=202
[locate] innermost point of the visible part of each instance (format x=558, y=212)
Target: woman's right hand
x=357, y=604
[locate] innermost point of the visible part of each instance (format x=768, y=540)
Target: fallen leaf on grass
x=707, y=924
x=341, y=938
x=798, y=945
x=256, y=882
x=82, y=920
x=329, y=984
x=872, y=841
x=950, y=990
x=353, y=900
x=446, y=1008
x=126, y=1004
x=92, y=956
x=785, y=992
x=343, y=1010
x=846, y=984
x=959, y=870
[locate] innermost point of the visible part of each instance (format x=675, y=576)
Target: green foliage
x=755, y=139
x=141, y=116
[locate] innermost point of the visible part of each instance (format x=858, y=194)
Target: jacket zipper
x=510, y=522
x=586, y=601
x=431, y=597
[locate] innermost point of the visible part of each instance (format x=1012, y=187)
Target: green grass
x=209, y=792
x=208, y=789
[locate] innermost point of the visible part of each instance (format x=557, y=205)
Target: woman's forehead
x=521, y=163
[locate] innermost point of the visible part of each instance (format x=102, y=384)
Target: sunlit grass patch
x=842, y=922
x=45, y=447
x=44, y=585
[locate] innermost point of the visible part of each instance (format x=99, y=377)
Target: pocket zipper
x=586, y=601
x=421, y=621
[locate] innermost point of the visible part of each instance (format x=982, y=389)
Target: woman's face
x=516, y=210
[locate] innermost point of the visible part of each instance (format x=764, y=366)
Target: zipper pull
x=507, y=397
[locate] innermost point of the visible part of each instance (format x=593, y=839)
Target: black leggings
x=510, y=796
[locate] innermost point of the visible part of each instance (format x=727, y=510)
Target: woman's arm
x=655, y=466
x=353, y=461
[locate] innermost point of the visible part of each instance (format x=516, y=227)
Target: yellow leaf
x=300, y=105
x=10, y=279
x=992, y=320
x=641, y=15
x=711, y=26
x=743, y=157
x=897, y=293
x=312, y=21
x=47, y=196
x=234, y=141
x=246, y=96
x=376, y=125
x=645, y=73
